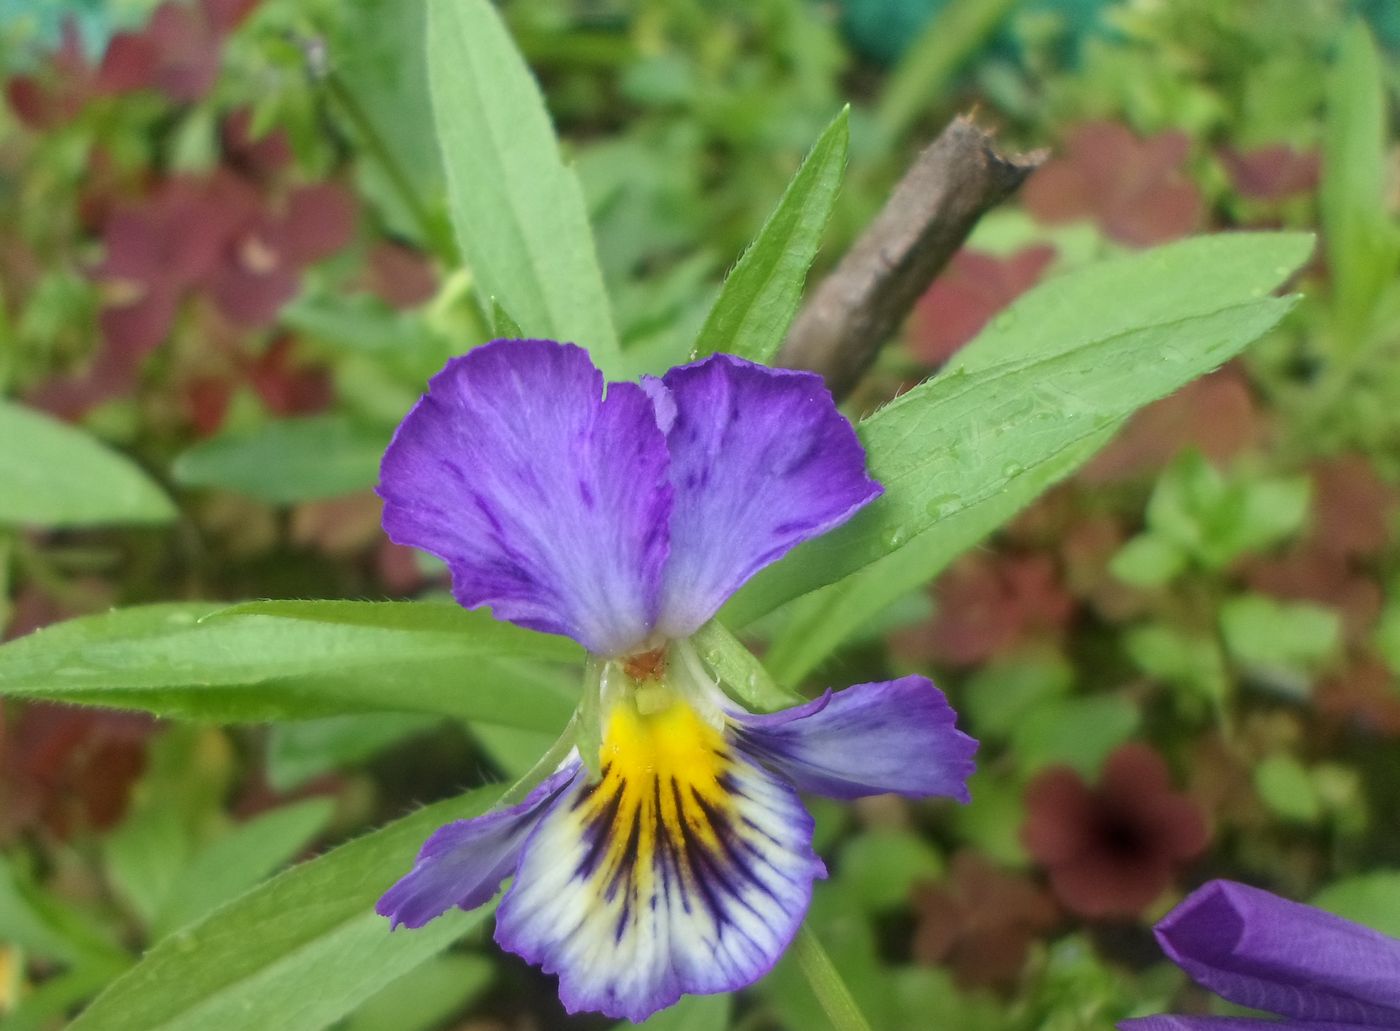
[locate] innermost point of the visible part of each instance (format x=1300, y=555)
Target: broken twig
x=856, y=308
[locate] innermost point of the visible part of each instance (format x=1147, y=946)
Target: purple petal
x=1173, y=1023
x=546, y=501
x=464, y=862
x=761, y=460
x=1267, y=953
x=684, y=870
x=898, y=735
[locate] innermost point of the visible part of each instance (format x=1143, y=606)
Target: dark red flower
x=177, y=53
x=399, y=276
x=288, y=385
x=965, y=296
x=1363, y=696
x=259, y=158
x=980, y=922
x=1353, y=508
x=1135, y=189
x=1272, y=173
x=1111, y=850
x=259, y=267
x=57, y=92
x=989, y=604
x=67, y=768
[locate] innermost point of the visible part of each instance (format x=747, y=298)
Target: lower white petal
x=685, y=869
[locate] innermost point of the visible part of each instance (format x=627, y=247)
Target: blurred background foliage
x=226, y=259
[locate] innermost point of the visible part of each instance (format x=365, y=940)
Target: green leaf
x=517, y=208
x=1002, y=694
x=1279, y=640
x=1214, y=520
x=1372, y=899
x=302, y=950
x=959, y=440
x=502, y=325
x=1148, y=560
x=922, y=79
x=53, y=474
x=240, y=859
x=992, y=824
x=424, y=998
x=296, y=660
x=176, y=807
x=1287, y=789
x=286, y=461
x=1181, y=280
x=1068, y=361
x=1184, y=659
x=48, y=925
x=881, y=866
x=1363, y=247
x=691, y=1013
x=1076, y=732
x=297, y=752
x=760, y=294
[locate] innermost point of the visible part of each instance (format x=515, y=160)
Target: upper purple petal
x=547, y=501
x=1267, y=953
x=761, y=460
x=463, y=863
x=897, y=735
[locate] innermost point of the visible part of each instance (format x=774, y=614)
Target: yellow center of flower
x=662, y=807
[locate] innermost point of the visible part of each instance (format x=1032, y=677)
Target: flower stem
x=831, y=992
x=544, y=766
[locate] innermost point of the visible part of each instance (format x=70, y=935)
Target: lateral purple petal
x=761, y=460
x=464, y=862
x=547, y=502
x=1267, y=953
x=894, y=736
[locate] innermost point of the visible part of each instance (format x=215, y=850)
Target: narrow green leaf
x=50, y=926
x=302, y=950
x=920, y=82
x=1363, y=247
x=1181, y=280
x=760, y=294
x=424, y=998
x=826, y=984
x=297, y=752
x=517, y=208
x=296, y=660
x=957, y=441
x=53, y=474
x=288, y=460
x=502, y=324
x=247, y=854
x=1371, y=898
x=691, y=1013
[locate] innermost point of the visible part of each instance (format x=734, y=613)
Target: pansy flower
x=1316, y=971
x=678, y=857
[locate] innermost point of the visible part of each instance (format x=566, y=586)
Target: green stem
x=544, y=766
x=827, y=986
x=431, y=229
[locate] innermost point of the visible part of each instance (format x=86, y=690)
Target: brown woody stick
x=842, y=324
